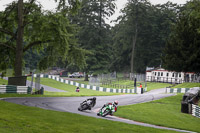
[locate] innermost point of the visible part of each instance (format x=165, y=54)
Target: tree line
x=77, y=37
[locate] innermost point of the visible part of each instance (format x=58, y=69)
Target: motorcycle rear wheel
x=106, y=112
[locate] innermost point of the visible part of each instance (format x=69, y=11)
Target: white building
x=162, y=75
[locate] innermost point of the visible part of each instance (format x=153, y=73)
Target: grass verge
x=164, y=112
x=24, y=119
x=71, y=89
x=150, y=85
x=3, y=81
x=187, y=85
x=153, y=86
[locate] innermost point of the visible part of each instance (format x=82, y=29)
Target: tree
x=182, y=52
x=94, y=33
x=141, y=34
x=23, y=26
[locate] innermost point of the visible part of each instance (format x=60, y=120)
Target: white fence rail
x=195, y=110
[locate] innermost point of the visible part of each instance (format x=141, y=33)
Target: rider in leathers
x=114, y=104
x=91, y=102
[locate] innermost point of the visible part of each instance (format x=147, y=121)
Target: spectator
x=140, y=85
x=141, y=88
x=77, y=89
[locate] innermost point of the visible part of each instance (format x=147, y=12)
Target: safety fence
x=96, y=88
x=118, y=85
x=177, y=90
x=195, y=110
x=15, y=89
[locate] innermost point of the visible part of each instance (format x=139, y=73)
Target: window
x=167, y=74
x=172, y=74
x=179, y=74
x=161, y=73
x=158, y=73
x=176, y=74
x=155, y=73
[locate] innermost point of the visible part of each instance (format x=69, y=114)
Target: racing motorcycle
x=107, y=110
x=84, y=105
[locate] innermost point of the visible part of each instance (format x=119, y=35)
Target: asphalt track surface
x=71, y=104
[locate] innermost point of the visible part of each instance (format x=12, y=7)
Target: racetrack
x=71, y=104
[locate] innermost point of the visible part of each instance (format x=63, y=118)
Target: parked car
x=75, y=75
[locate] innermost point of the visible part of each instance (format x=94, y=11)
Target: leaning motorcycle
x=107, y=110
x=84, y=106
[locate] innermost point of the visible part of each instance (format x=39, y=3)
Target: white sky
x=50, y=4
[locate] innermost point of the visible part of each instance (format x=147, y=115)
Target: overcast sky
x=49, y=5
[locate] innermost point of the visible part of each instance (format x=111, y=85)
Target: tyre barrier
x=15, y=89
x=195, y=110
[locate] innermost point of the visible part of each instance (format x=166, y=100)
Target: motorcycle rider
x=91, y=102
x=114, y=104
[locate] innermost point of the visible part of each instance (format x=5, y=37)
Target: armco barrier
x=177, y=90
x=112, y=90
x=15, y=89
x=195, y=110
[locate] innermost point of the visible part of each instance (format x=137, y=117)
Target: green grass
x=82, y=82
x=70, y=89
x=23, y=119
x=187, y=85
x=152, y=85
x=165, y=112
x=3, y=81
x=62, y=86
x=9, y=72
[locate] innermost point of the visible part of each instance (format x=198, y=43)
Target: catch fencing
x=112, y=81
x=96, y=88
x=37, y=82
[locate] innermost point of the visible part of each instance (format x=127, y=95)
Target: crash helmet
x=94, y=98
x=116, y=102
